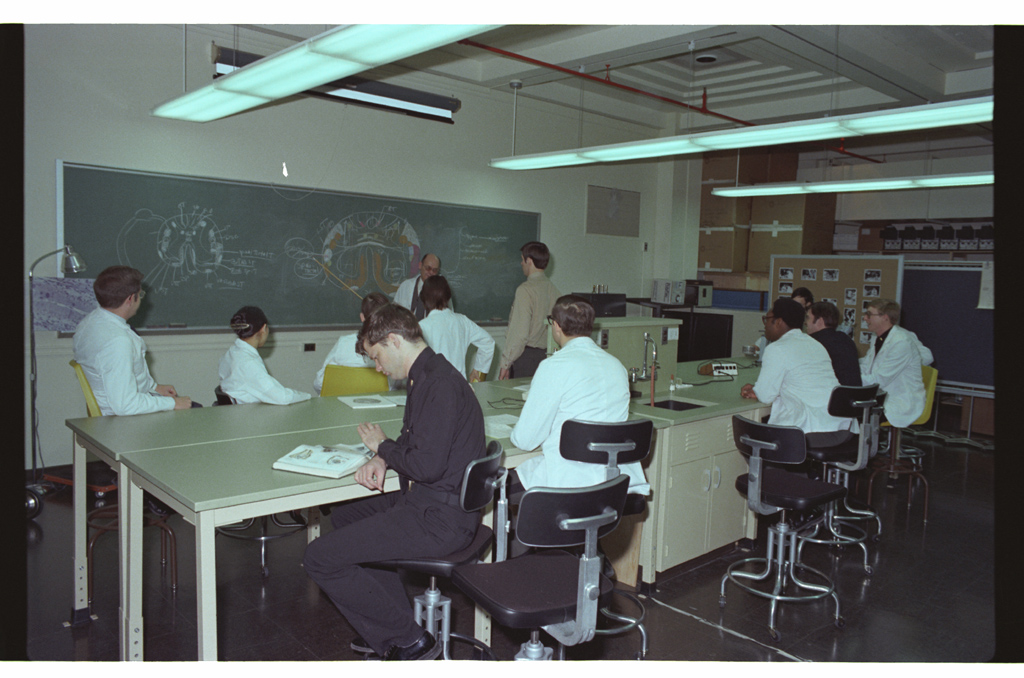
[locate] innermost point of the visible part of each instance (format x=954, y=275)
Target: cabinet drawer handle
x=718, y=477
x=706, y=479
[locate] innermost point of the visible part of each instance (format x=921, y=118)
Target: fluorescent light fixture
x=923, y=117
x=642, y=149
x=928, y=116
x=332, y=55
x=768, y=135
x=354, y=89
x=854, y=185
x=541, y=161
x=387, y=102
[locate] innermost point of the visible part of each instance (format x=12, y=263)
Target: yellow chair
x=90, y=400
x=104, y=519
x=897, y=463
x=341, y=380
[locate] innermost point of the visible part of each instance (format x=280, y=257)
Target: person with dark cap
x=796, y=376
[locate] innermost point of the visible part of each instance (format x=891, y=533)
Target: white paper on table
x=499, y=425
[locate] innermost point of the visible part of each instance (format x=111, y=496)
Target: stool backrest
x=344, y=380
x=559, y=517
x=606, y=443
x=930, y=377
x=852, y=402
x=91, y=406
x=482, y=479
x=775, y=444
x=857, y=402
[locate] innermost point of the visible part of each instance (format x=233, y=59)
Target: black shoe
x=361, y=646
x=424, y=649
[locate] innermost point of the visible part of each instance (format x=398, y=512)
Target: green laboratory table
x=213, y=466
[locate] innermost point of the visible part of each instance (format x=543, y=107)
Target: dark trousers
x=378, y=528
x=526, y=364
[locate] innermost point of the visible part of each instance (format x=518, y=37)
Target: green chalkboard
x=307, y=257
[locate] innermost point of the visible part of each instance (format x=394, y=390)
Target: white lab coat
x=580, y=381
x=244, y=377
x=897, y=371
x=451, y=334
x=797, y=379
x=113, y=358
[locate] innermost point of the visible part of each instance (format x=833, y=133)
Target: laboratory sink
x=676, y=405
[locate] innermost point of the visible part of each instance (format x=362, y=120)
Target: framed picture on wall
x=872, y=275
x=872, y=290
x=830, y=274
x=785, y=273
x=808, y=274
x=850, y=297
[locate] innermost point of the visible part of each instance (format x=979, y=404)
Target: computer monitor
x=703, y=336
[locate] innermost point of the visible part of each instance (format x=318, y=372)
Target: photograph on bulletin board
x=846, y=281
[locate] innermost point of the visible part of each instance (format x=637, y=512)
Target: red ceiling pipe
x=703, y=108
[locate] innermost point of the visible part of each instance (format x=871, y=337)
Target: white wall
x=89, y=90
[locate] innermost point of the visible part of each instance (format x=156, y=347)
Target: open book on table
x=329, y=461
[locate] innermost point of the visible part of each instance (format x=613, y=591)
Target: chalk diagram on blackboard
x=365, y=252
x=189, y=247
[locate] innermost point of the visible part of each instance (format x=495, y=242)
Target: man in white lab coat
x=894, y=361
x=580, y=381
x=408, y=293
x=113, y=356
x=796, y=376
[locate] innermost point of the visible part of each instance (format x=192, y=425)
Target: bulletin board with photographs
x=849, y=282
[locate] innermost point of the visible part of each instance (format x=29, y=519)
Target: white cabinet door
x=727, y=517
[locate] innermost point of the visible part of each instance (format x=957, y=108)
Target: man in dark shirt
x=821, y=321
x=442, y=431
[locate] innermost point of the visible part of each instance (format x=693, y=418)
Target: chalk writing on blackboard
x=190, y=248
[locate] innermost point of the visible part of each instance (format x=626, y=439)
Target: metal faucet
x=644, y=375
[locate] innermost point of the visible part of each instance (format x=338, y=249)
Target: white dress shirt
x=797, y=379
x=451, y=334
x=113, y=358
x=404, y=293
x=244, y=377
x=343, y=353
x=580, y=381
x=897, y=371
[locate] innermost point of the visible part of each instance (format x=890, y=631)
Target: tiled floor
x=931, y=598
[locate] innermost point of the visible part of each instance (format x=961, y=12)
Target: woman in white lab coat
x=450, y=333
x=243, y=376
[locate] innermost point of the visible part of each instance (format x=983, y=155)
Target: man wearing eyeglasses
x=580, y=381
x=408, y=293
x=113, y=356
x=894, y=361
x=796, y=376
